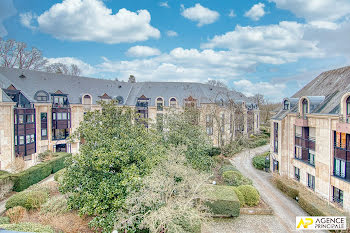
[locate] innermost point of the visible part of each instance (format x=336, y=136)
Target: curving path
x=285, y=208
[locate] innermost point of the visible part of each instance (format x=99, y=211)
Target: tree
x=167, y=200
x=61, y=68
x=132, y=79
x=115, y=155
x=14, y=54
x=217, y=83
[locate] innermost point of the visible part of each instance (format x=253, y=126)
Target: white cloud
x=27, y=19
x=164, y=4
x=316, y=10
x=142, y=51
x=91, y=20
x=6, y=10
x=200, y=14
x=256, y=12
x=232, y=14
x=272, y=44
x=171, y=33
x=274, y=91
x=85, y=68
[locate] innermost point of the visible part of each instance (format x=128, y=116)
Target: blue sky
x=273, y=47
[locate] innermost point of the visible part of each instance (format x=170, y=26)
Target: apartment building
x=39, y=110
x=310, y=137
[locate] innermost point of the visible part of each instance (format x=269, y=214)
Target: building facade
x=40, y=110
x=310, y=137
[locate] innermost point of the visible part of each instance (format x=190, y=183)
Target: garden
x=131, y=179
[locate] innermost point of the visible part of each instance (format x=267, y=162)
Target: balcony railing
x=57, y=105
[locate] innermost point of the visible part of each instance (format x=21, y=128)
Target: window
x=16, y=140
x=223, y=123
x=29, y=118
x=54, y=116
x=298, y=131
x=339, y=168
x=338, y=195
x=348, y=106
x=209, y=124
x=30, y=138
x=87, y=99
x=286, y=105
x=43, y=116
x=275, y=141
x=172, y=103
x=64, y=116
x=59, y=134
x=210, y=130
x=311, y=158
x=43, y=132
x=298, y=152
x=305, y=105
x=312, y=134
x=311, y=181
x=159, y=104
x=297, y=173
x=20, y=119
x=42, y=96
x=21, y=140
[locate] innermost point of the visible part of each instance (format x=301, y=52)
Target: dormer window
x=120, y=99
x=172, y=103
x=348, y=106
x=87, y=99
x=41, y=96
x=159, y=103
x=305, y=106
x=286, y=105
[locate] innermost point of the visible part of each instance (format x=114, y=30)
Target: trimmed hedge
x=259, y=161
x=27, y=227
x=250, y=194
x=287, y=188
x=6, y=185
x=222, y=200
x=235, y=178
x=38, y=172
x=4, y=220
x=240, y=196
x=27, y=199
x=309, y=207
x=226, y=168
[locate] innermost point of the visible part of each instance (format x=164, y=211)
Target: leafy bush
x=27, y=227
x=214, y=151
x=235, y=178
x=3, y=173
x=226, y=168
x=59, y=175
x=16, y=214
x=27, y=199
x=240, y=196
x=251, y=195
x=55, y=205
x=286, y=187
x=6, y=184
x=4, y=220
x=259, y=161
x=38, y=172
x=309, y=207
x=222, y=200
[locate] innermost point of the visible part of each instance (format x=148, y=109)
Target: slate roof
x=324, y=92
x=76, y=87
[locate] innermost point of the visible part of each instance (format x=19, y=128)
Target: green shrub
x=214, y=151
x=240, y=196
x=59, y=174
x=235, y=178
x=4, y=220
x=55, y=205
x=27, y=199
x=38, y=172
x=259, y=161
x=226, y=168
x=287, y=188
x=3, y=173
x=27, y=227
x=309, y=207
x=251, y=195
x=222, y=200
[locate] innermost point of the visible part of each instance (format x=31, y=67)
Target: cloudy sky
x=272, y=47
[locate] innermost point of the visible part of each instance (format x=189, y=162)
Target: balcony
x=60, y=105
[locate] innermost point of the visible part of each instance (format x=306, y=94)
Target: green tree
x=182, y=130
x=115, y=154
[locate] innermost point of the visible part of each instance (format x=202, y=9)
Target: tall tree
x=15, y=54
x=217, y=83
x=61, y=68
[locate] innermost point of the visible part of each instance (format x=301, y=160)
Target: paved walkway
x=3, y=202
x=284, y=207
